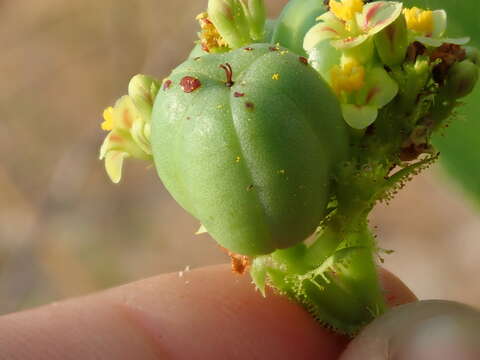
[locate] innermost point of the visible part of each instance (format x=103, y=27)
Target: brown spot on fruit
x=238, y=94
x=303, y=60
x=167, y=84
x=248, y=49
x=249, y=105
x=190, y=84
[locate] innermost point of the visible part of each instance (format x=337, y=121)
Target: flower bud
x=392, y=42
x=461, y=79
x=473, y=54
x=256, y=16
x=239, y=22
x=143, y=90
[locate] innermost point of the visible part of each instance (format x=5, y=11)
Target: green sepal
x=239, y=22
x=392, y=42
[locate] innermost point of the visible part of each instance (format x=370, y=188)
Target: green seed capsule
x=247, y=142
x=462, y=78
x=473, y=54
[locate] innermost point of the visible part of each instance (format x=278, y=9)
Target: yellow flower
x=346, y=9
x=128, y=124
x=419, y=20
x=348, y=77
x=107, y=125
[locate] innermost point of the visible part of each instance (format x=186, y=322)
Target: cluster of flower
x=355, y=45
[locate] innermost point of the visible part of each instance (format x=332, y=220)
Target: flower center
x=346, y=9
x=209, y=36
x=419, y=20
x=348, y=77
x=107, y=125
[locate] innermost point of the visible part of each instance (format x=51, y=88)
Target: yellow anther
x=419, y=20
x=346, y=9
x=210, y=38
x=276, y=76
x=107, y=125
x=202, y=16
x=348, y=77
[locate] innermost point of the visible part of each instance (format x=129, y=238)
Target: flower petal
x=428, y=41
x=359, y=117
x=381, y=88
x=436, y=42
x=439, y=23
x=377, y=15
x=124, y=113
x=329, y=28
x=457, y=41
x=114, y=164
x=349, y=42
x=317, y=34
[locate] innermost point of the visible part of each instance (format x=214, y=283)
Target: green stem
x=335, y=278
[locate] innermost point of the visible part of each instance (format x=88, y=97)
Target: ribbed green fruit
x=251, y=157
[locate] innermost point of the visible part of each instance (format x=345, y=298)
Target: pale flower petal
x=439, y=23
x=377, y=15
x=329, y=28
x=436, y=42
x=457, y=41
x=359, y=117
x=114, y=164
x=349, y=42
x=317, y=34
x=428, y=41
x=382, y=88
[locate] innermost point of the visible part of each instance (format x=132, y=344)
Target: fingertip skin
x=423, y=330
x=204, y=314
x=209, y=313
x=213, y=314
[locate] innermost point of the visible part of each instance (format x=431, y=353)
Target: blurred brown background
x=65, y=230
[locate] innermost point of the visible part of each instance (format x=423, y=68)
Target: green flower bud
x=256, y=16
x=239, y=22
x=473, y=54
x=461, y=79
x=143, y=89
x=392, y=42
